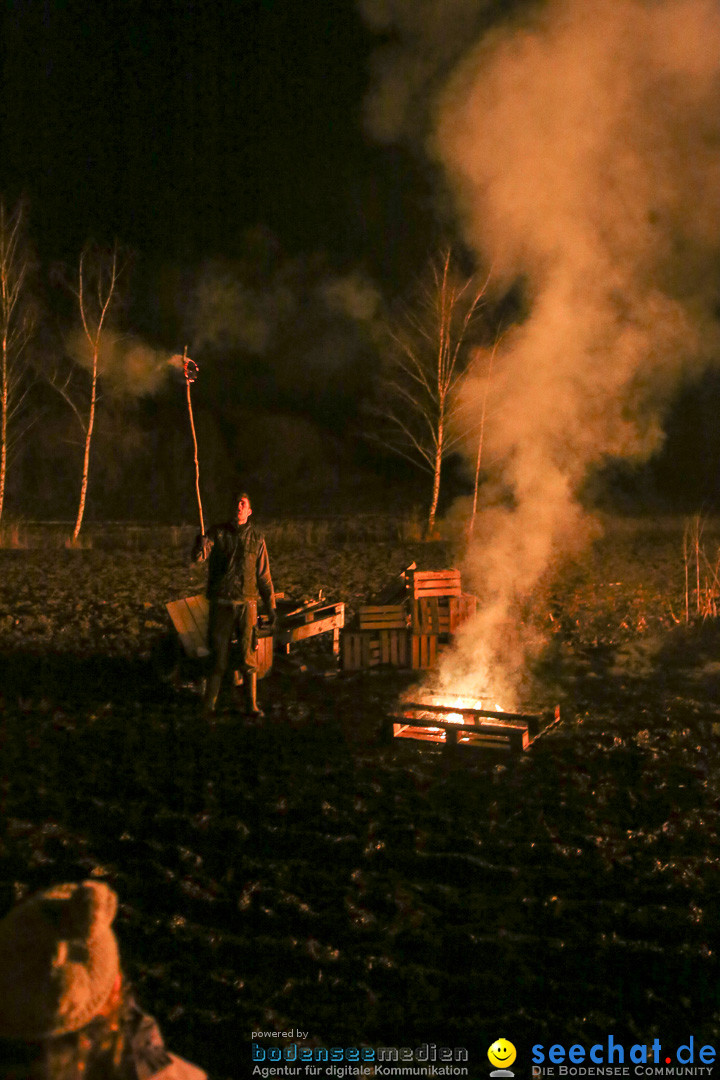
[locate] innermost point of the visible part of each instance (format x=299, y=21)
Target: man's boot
x=250, y=685
x=212, y=692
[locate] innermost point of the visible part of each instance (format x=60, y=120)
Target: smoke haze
x=128, y=365
x=227, y=313
x=424, y=40
x=583, y=150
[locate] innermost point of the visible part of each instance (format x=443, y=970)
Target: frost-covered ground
x=304, y=873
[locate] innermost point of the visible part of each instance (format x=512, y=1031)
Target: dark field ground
x=304, y=873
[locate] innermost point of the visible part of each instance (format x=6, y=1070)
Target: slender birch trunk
x=93, y=315
x=436, y=481
x=86, y=454
x=4, y=424
x=16, y=324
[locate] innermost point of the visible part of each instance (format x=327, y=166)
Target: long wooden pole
x=189, y=378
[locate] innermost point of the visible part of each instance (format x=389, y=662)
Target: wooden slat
x=190, y=618
x=406, y=731
x=351, y=651
x=365, y=646
x=265, y=654
x=199, y=612
x=395, y=659
x=435, y=575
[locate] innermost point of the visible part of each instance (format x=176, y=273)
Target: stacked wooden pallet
x=408, y=631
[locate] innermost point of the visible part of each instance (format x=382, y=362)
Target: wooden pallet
x=480, y=728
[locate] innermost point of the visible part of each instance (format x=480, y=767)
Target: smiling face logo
x=502, y=1053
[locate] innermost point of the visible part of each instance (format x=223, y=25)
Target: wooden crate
x=383, y=617
x=433, y=583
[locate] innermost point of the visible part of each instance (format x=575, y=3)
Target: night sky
x=176, y=125
x=183, y=129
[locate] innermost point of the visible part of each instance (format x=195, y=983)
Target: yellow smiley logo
x=502, y=1053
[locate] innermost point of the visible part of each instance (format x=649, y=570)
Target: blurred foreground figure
x=65, y=1010
x=238, y=573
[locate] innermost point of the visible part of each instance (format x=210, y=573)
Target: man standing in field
x=238, y=573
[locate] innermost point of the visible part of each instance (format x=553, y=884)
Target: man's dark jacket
x=238, y=564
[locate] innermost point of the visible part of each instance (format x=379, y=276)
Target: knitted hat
x=58, y=960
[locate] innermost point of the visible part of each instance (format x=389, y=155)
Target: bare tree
x=425, y=364
x=96, y=291
x=16, y=327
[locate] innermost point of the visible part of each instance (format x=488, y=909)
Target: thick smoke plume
x=583, y=149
